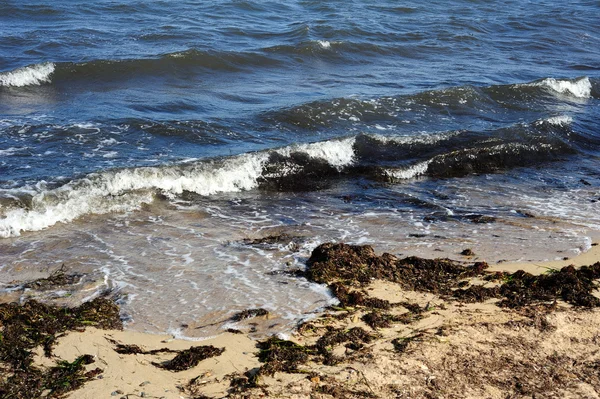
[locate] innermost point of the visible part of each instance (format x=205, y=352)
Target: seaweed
x=282, y=355
x=521, y=289
x=467, y=252
x=342, y=265
x=354, y=338
x=572, y=285
x=476, y=293
x=127, y=349
x=267, y=242
x=279, y=355
x=359, y=265
x=480, y=219
x=34, y=324
x=401, y=343
x=188, y=358
x=249, y=313
x=57, y=278
x=377, y=319
x=352, y=298
x=339, y=392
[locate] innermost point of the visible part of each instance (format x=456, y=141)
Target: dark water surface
x=142, y=141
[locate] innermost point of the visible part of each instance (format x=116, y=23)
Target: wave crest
x=580, y=88
x=127, y=189
x=33, y=75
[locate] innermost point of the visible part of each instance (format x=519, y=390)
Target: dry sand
x=456, y=351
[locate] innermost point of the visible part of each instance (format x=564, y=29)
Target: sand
x=456, y=350
x=135, y=375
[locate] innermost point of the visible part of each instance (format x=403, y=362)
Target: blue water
x=378, y=122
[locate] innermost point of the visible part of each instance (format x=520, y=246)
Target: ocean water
x=146, y=144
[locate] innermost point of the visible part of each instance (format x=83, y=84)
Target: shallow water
x=142, y=142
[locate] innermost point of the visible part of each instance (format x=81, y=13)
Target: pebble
x=143, y=384
x=117, y=392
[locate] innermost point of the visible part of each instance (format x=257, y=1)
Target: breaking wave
x=297, y=167
x=32, y=75
x=192, y=60
x=580, y=87
x=402, y=109
x=127, y=189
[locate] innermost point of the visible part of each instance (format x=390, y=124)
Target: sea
x=187, y=156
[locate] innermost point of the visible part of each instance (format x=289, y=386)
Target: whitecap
x=560, y=120
x=28, y=76
x=337, y=153
x=415, y=170
x=580, y=88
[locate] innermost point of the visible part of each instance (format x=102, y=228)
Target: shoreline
x=401, y=349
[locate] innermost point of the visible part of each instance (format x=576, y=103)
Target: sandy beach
x=392, y=342
x=299, y=199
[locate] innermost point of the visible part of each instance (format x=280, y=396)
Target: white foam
x=28, y=76
x=408, y=173
x=11, y=150
x=337, y=153
x=421, y=138
x=110, y=154
x=324, y=44
x=580, y=88
x=126, y=190
x=561, y=120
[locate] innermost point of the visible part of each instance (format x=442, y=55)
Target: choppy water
x=142, y=142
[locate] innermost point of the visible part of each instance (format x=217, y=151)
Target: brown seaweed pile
x=188, y=358
x=343, y=266
x=574, y=286
x=274, y=240
x=248, y=314
x=23, y=328
x=282, y=355
x=377, y=319
x=59, y=277
x=184, y=360
x=358, y=265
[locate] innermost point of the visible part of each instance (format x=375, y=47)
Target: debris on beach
x=467, y=252
x=184, y=360
x=520, y=341
x=274, y=240
x=403, y=326
x=342, y=266
x=32, y=325
x=248, y=314
x=282, y=355
x=58, y=278
x=188, y=358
